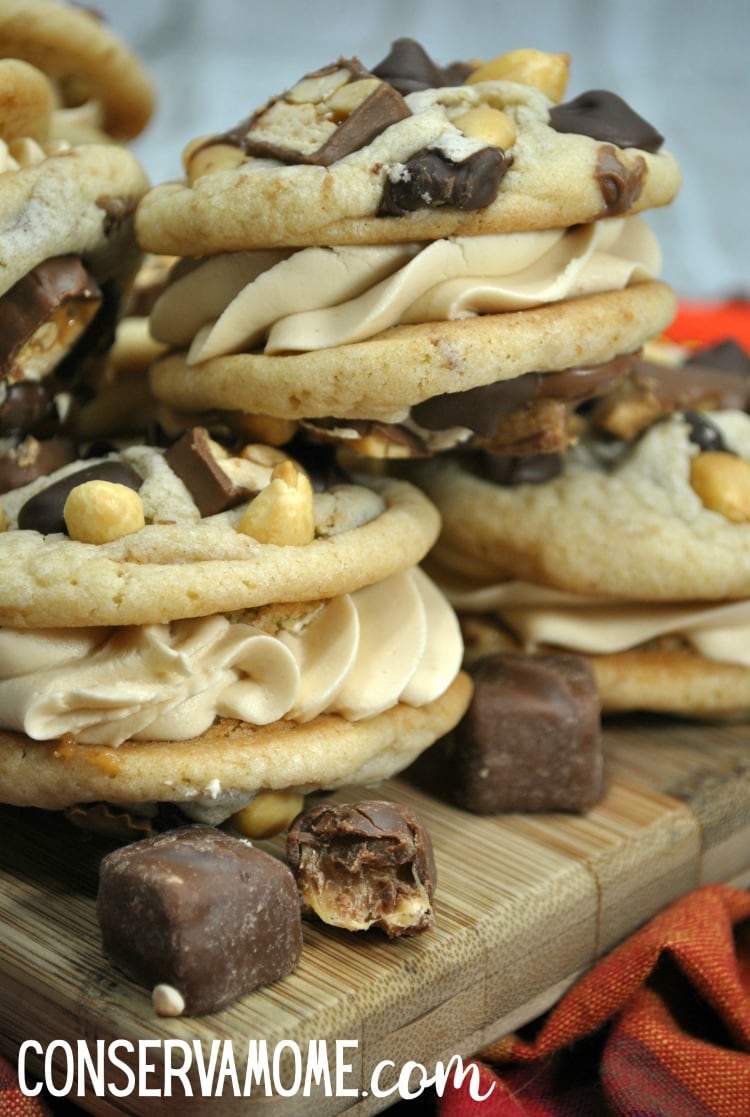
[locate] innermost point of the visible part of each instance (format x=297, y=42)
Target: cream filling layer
x=538, y=616
x=356, y=655
x=318, y=298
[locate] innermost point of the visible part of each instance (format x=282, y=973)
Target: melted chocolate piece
x=621, y=186
x=364, y=864
x=33, y=458
x=529, y=469
x=26, y=406
x=654, y=391
x=605, y=116
x=431, y=179
x=531, y=738
x=374, y=438
x=59, y=291
x=705, y=434
x=409, y=68
x=201, y=911
x=383, y=107
x=44, y=512
x=479, y=409
x=212, y=489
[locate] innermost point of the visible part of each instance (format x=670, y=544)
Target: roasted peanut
x=167, y=1001
x=350, y=96
x=100, y=511
x=547, y=72
x=267, y=813
x=283, y=513
x=488, y=125
x=263, y=428
x=205, y=160
x=722, y=481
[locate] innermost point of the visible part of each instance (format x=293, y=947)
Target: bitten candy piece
x=200, y=911
x=531, y=738
x=362, y=865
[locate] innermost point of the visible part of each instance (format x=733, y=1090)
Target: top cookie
x=408, y=152
x=152, y=537
x=85, y=60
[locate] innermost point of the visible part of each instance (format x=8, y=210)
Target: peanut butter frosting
x=357, y=655
x=541, y=616
x=322, y=297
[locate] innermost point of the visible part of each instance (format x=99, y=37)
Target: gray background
x=684, y=66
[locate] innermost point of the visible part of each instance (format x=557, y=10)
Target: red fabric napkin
x=12, y=1102
x=659, y=1028
x=699, y=323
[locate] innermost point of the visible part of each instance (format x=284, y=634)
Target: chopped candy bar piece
x=200, y=911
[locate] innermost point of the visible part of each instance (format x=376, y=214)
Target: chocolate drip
x=605, y=116
x=431, y=179
x=479, y=409
x=409, y=68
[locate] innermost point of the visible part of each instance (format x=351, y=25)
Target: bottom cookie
x=221, y=770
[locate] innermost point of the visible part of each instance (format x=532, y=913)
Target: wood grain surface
x=525, y=904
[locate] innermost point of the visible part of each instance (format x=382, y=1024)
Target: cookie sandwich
x=69, y=259
x=194, y=625
x=378, y=250
x=632, y=549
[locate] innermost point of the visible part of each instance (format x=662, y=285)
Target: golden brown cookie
x=339, y=159
x=84, y=59
x=98, y=185
x=183, y=563
x=26, y=101
x=398, y=368
x=630, y=524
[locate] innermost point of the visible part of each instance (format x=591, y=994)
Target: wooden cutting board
x=526, y=904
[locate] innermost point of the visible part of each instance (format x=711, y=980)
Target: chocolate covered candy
x=362, y=865
x=530, y=740
x=200, y=916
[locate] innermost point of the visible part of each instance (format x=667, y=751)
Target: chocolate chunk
x=529, y=469
x=44, y=511
x=653, y=391
x=725, y=356
x=705, y=434
x=621, y=186
x=362, y=865
x=408, y=68
x=201, y=911
x=480, y=408
x=271, y=132
x=431, y=179
x=195, y=460
x=25, y=406
x=32, y=458
x=42, y=315
x=605, y=116
x=531, y=738
x=369, y=437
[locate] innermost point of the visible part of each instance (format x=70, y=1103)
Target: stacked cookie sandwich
x=405, y=258
x=633, y=549
x=66, y=221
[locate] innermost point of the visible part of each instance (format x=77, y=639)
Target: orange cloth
x=703, y=323
x=659, y=1028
